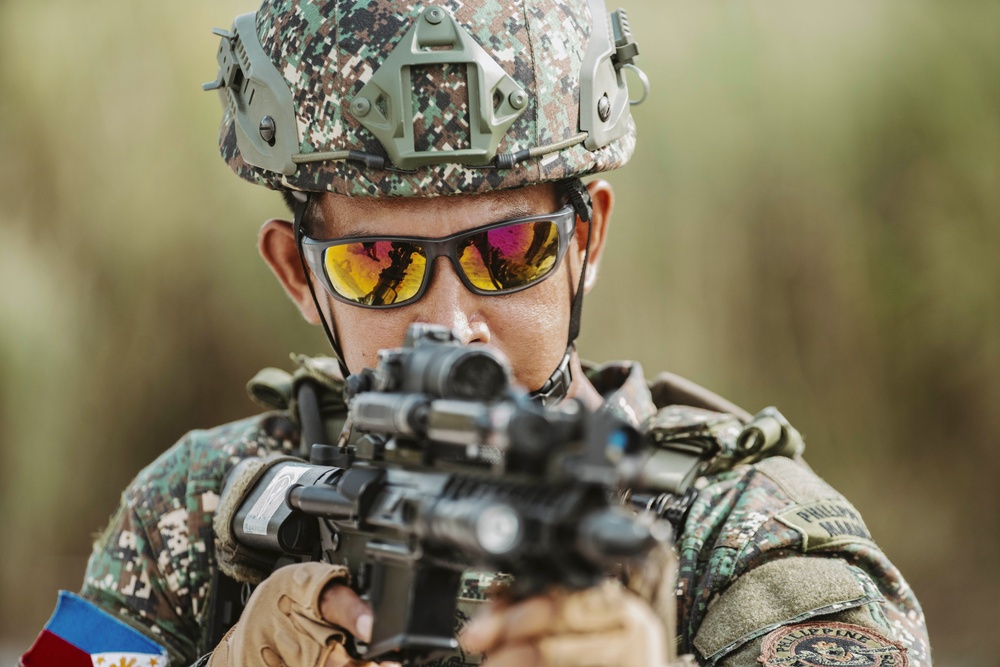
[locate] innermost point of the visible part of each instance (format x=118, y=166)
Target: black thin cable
x=555, y=388
x=300, y=211
x=579, y=196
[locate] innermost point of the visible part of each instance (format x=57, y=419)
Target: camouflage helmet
x=410, y=98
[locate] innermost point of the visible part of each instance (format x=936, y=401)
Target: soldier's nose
x=449, y=303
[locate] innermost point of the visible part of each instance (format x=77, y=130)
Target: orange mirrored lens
x=376, y=273
x=510, y=257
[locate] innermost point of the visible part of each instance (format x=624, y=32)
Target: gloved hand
x=289, y=621
x=603, y=626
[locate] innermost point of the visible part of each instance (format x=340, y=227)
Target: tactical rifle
x=444, y=466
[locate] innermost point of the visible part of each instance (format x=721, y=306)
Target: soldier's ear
x=602, y=198
x=276, y=243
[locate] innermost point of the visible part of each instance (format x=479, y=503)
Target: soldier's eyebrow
x=510, y=204
x=362, y=231
x=349, y=228
x=498, y=206
x=507, y=208
x=510, y=209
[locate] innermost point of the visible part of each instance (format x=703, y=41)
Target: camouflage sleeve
x=777, y=568
x=153, y=564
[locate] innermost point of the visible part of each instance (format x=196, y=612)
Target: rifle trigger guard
x=356, y=649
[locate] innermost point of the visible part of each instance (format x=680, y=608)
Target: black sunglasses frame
x=313, y=251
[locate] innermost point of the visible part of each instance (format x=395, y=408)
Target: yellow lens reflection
x=376, y=273
x=510, y=257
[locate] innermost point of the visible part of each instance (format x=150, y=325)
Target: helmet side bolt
x=604, y=108
x=434, y=15
x=518, y=99
x=360, y=107
x=267, y=128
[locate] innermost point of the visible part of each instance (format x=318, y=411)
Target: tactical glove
x=603, y=626
x=282, y=624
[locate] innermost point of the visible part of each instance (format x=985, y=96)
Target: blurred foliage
x=811, y=221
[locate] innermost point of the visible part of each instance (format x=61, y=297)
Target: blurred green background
x=812, y=220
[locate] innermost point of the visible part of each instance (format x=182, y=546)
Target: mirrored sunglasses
x=390, y=271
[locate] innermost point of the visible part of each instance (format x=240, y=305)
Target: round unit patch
x=830, y=645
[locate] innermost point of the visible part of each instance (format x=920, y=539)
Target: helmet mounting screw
x=518, y=99
x=434, y=15
x=604, y=108
x=267, y=127
x=360, y=106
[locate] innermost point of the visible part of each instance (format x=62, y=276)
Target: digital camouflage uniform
x=766, y=550
x=773, y=563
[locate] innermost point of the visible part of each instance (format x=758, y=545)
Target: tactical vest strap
x=271, y=388
x=317, y=380
x=698, y=433
x=670, y=389
x=694, y=442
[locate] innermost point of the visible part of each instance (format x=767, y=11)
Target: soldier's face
x=529, y=326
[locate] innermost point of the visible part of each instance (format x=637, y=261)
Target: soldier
x=430, y=154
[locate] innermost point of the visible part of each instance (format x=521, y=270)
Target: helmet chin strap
x=558, y=384
x=300, y=210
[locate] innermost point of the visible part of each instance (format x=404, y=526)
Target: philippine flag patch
x=81, y=635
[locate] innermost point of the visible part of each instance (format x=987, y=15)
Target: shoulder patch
x=81, y=633
x=830, y=644
x=827, y=524
x=779, y=593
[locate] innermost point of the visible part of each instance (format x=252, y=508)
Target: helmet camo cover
x=413, y=99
